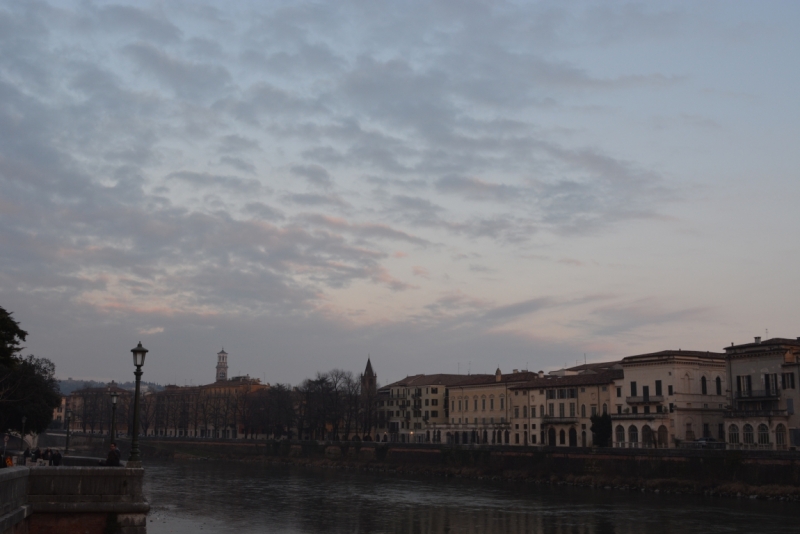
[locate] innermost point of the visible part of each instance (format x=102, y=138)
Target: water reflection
x=242, y=498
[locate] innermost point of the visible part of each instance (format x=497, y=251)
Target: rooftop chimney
x=541, y=373
x=758, y=339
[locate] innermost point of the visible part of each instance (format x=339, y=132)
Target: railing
x=757, y=393
x=556, y=419
x=754, y=446
x=637, y=445
x=756, y=413
x=644, y=400
x=636, y=416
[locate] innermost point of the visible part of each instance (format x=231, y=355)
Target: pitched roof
x=768, y=343
x=669, y=354
x=588, y=379
x=436, y=380
x=368, y=370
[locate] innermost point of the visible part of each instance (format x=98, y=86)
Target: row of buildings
x=743, y=397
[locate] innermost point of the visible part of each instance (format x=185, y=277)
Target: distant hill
x=69, y=385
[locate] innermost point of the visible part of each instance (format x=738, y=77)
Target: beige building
x=762, y=379
x=555, y=410
x=480, y=408
x=670, y=397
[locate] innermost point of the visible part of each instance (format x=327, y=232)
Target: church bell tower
x=222, y=366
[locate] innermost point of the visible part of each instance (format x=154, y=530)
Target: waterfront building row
x=743, y=398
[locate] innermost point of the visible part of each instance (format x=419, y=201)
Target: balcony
x=559, y=420
x=758, y=394
x=756, y=413
x=639, y=416
x=650, y=399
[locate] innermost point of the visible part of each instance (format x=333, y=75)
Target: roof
x=436, y=380
x=670, y=354
x=765, y=345
x=588, y=379
x=595, y=366
x=480, y=380
x=368, y=370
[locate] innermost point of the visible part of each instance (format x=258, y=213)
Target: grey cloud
x=312, y=199
x=364, y=230
x=228, y=183
x=187, y=79
x=238, y=163
x=263, y=211
x=476, y=189
x=236, y=144
x=315, y=174
x=143, y=24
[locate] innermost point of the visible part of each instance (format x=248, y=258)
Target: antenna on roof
x=469, y=366
x=584, y=358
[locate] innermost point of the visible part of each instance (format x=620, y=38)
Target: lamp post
x=114, y=396
x=138, y=361
x=22, y=435
x=66, y=445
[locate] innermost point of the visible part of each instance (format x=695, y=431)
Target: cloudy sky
x=447, y=186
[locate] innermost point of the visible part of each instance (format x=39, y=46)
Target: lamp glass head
x=138, y=355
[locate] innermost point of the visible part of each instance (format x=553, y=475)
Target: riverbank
x=743, y=474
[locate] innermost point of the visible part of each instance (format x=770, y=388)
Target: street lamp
x=66, y=445
x=138, y=361
x=22, y=436
x=114, y=396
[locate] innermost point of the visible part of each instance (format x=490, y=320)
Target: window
x=771, y=383
x=533, y=438
x=744, y=385
x=572, y=409
x=551, y=407
x=427, y=402
x=533, y=411
x=604, y=388
x=434, y=390
x=703, y=385
x=476, y=405
x=619, y=392
x=561, y=409
x=658, y=387
x=689, y=432
x=551, y=394
x=763, y=433
x=620, y=434
x=747, y=435
x=647, y=409
x=633, y=434
x=524, y=411
x=459, y=406
x=434, y=413
x=491, y=404
x=780, y=435
x=516, y=412
x=646, y=393
x=721, y=432
x=562, y=437
x=434, y=402
x=733, y=434
x=483, y=404
x=787, y=381
x=718, y=382
x=619, y=408
x=671, y=407
x=562, y=393
x=541, y=410
x=633, y=389
x=706, y=430
x=669, y=390
x=605, y=408
x=583, y=410
x=502, y=403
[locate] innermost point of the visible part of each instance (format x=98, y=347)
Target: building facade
x=762, y=378
x=670, y=397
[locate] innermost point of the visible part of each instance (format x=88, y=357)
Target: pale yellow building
x=555, y=410
x=670, y=397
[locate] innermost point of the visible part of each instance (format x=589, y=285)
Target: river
x=242, y=498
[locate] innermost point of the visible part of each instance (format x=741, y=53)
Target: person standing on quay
x=112, y=460
x=55, y=460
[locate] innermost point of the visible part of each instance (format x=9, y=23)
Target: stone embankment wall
x=671, y=469
x=72, y=500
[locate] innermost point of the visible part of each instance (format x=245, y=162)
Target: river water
x=192, y=497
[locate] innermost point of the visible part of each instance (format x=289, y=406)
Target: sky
x=443, y=186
